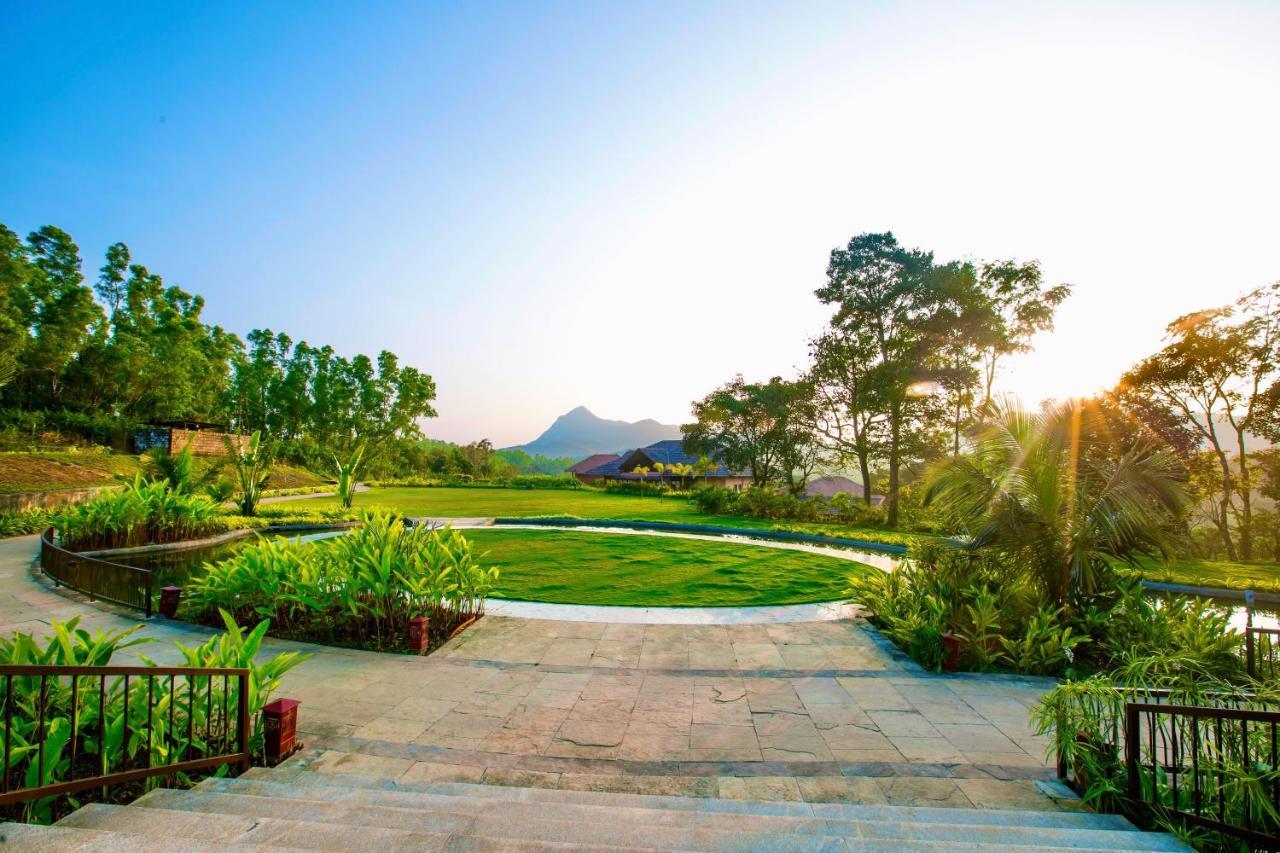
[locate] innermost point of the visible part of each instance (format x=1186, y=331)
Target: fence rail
x=1262, y=652
x=72, y=728
x=97, y=578
x=1216, y=768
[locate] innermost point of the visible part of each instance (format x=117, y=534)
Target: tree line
x=98, y=359
x=904, y=367
x=904, y=374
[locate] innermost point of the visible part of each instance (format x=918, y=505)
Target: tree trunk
x=864, y=465
x=1224, y=518
x=895, y=431
x=1246, y=500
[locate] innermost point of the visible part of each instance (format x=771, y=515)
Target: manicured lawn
x=1262, y=577
x=532, y=503
x=569, y=567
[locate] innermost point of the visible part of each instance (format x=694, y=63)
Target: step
x=835, y=811
x=244, y=832
x=608, y=809
x=31, y=838
x=659, y=829
x=604, y=831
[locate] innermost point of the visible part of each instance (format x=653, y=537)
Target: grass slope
x=1261, y=577
x=69, y=469
x=531, y=503
x=567, y=567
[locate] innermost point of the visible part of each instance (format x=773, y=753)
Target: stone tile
x=760, y=788
x=875, y=694
x=466, y=725
x=793, y=748
x=430, y=771
x=840, y=789
x=512, y=741
x=644, y=746
x=997, y=794
x=520, y=778
x=919, y=791
x=902, y=724
x=668, y=786
x=391, y=729
x=360, y=764
x=978, y=738
x=419, y=708
x=867, y=736
x=934, y=750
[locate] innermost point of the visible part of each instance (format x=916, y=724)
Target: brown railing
x=115, y=582
x=1261, y=648
x=1214, y=768
x=73, y=728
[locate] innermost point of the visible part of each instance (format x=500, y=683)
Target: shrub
x=359, y=589
x=715, y=500
x=73, y=728
x=638, y=488
x=140, y=514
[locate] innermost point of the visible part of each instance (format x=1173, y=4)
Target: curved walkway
x=820, y=711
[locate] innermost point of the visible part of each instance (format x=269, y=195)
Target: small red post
x=169, y=596
x=418, y=634
x=280, y=729
x=950, y=652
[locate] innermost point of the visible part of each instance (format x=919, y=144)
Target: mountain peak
x=580, y=433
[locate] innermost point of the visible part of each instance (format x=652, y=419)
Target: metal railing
x=1262, y=652
x=1216, y=768
x=72, y=728
x=97, y=578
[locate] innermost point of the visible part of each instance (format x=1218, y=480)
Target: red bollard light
x=418, y=634
x=280, y=729
x=169, y=596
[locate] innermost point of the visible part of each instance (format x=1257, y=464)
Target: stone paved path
x=820, y=711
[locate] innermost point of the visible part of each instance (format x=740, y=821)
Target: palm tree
x=179, y=469
x=1054, y=492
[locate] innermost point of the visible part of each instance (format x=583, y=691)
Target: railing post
x=1249, y=666
x=1132, y=747
x=244, y=721
x=150, y=592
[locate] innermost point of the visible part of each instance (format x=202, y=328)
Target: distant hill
x=579, y=433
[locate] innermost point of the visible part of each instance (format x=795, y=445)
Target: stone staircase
x=292, y=807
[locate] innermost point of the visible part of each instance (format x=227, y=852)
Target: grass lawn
x=568, y=567
x=1263, y=577
x=531, y=503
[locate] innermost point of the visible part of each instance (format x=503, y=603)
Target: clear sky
x=621, y=205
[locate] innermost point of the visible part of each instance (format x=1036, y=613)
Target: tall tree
x=886, y=302
x=1020, y=307
x=1218, y=371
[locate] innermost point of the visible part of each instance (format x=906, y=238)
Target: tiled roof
x=593, y=462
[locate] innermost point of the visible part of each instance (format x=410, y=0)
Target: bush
x=140, y=514
x=638, y=488
x=74, y=730
x=1004, y=622
x=360, y=589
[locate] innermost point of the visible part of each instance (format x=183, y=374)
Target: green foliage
x=346, y=470
x=638, y=488
x=1053, y=492
x=97, y=726
x=178, y=470
x=358, y=589
x=140, y=514
x=252, y=467
x=234, y=649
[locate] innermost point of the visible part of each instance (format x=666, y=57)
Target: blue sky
x=549, y=204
